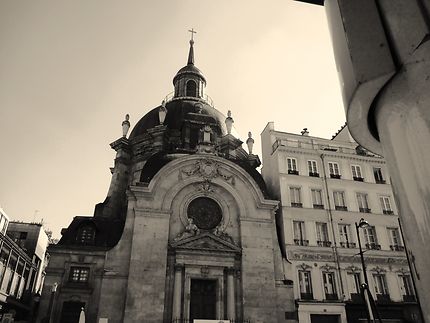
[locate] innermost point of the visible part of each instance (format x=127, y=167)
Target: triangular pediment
x=206, y=242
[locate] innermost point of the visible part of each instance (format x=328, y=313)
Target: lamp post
x=364, y=287
x=51, y=302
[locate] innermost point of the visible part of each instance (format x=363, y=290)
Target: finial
x=250, y=142
x=191, y=53
x=125, y=125
x=162, y=112
x=229, y=122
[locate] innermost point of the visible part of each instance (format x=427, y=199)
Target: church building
x=186, y=233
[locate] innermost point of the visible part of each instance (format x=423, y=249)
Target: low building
x=326, y=187
x=21, y=267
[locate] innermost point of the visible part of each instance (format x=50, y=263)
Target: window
x=79, y=274
x=305, y=284
x=317, y=199
x=380, y=283
x=23, y=235
x=329, y=286
x=345, y=236
x=322, y=235
x=386, y=205
x=339, y=201
x=86, y=234
x=191, y=88
x=377, y=173
x=299, y=233
x=370, y=238
x=394, y=236
x=407, y=288
x=363, y=205
x=355, y=282
x=292, y=166
x=312, y=167
x=356, y=173
x=295, y=197
x=334, y=170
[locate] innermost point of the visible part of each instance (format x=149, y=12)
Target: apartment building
x=325, y=187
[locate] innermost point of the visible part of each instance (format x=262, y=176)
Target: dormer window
x=86, y=234
x=191, y=88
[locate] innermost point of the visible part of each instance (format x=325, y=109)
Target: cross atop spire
x=192, y=31
x=191, y=53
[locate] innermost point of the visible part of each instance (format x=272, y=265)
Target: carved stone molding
x=304, y=266
x=207, y=169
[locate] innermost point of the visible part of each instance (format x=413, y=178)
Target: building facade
x=22, y=266
x=326, y=187
x=187, y=230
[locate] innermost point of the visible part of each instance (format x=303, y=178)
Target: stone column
x=231, y=304
x=177, y=292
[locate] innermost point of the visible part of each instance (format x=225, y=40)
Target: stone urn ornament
x=229, y=122
x=125, y=125
x=162, y=112
x=250, y=142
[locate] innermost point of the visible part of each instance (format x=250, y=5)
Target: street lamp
x=365, y=292
x=51, y=302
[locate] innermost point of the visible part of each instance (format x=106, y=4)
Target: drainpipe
x=330, y=217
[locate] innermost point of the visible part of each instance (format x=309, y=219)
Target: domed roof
x=189, y=69
x=177, y=111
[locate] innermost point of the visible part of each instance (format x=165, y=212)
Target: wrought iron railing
x=206, y=98
x=220, y=320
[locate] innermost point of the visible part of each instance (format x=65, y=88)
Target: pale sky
x=70, y=71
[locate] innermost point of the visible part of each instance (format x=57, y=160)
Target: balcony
x=331, y=297
x=301, y=242
x=409, y=298
x=347, y=244
x=295, y=204
x=293, y=172
x=383, y=298
x=340, y=208
x=358, y=179
x=380, y=181
x=306, y=296
x=314, y=174
x=318, y=206
x=322, y=243
x=336, y=176
x=191, y=321
x=373, y=246
x=397, y=248
x=390, y=212
x=365, y=210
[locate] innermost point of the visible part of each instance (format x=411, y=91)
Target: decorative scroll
x=208, y=169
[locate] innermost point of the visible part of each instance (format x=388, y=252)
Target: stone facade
x=187, y=230
x=325, y=188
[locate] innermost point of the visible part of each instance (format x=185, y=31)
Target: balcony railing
x=322, y=243
x=331, y=297
x=409, y=298
x=365, y=210
x=306, y=296
x=296, y=204
x=373, y=246
x=314, y=174
x=293, y=172
x=397, y=248
x=336, y=176
x=358, y=179
x=340, y=208
x=206, y=98
x=301, y=242
x=318, y=206
x=347, y=244
x=390, y=212
x=383, y=298
x=380, y=181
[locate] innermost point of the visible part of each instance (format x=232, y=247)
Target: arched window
x=86, y=234
x=191, y=88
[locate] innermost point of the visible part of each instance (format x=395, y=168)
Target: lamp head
x=363, y=223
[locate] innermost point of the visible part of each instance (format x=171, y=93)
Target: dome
x=178, y=112
x=189, y=69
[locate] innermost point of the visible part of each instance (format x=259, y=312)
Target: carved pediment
x=206, y=241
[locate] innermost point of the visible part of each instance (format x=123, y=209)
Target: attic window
x=86, y=234
x=191, y=88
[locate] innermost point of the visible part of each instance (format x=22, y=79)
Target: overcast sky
x=70, y=71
